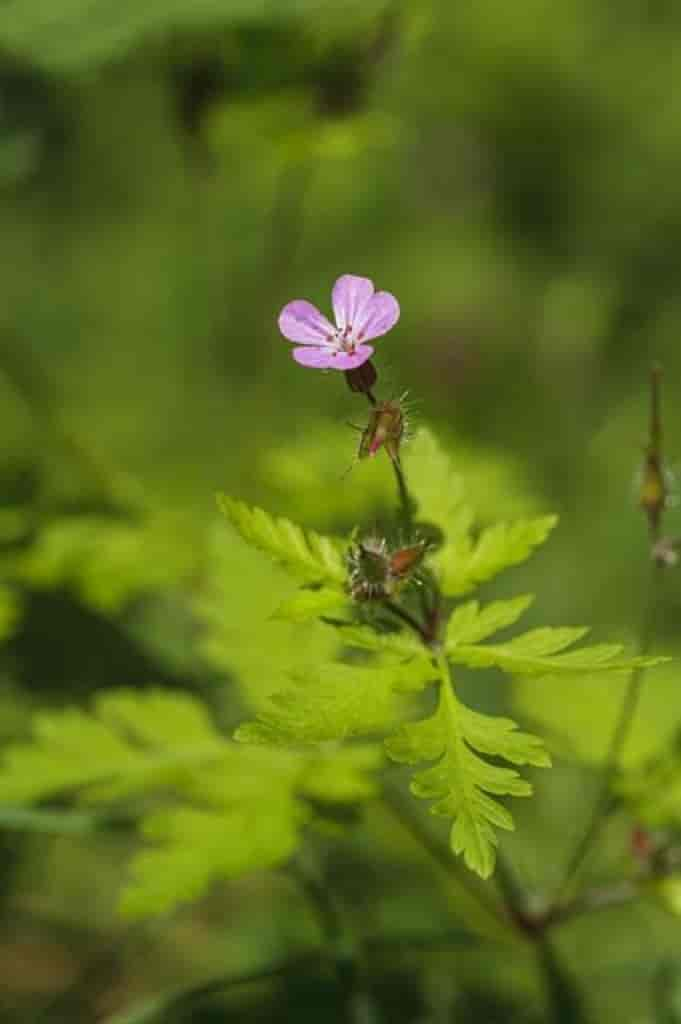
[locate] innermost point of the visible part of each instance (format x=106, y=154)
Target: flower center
x=344, y=339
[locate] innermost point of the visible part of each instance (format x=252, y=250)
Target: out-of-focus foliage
x=171, y=173
x=236, y=809
x=70, y=36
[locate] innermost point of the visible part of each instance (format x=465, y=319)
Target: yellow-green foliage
x=325, y=678
x=332, y=702
x=221, y=808
x=82, y=33
x=108, y=562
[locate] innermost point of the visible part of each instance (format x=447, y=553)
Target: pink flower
x=361, y=314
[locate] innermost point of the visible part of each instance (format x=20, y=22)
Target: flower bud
x=369, y=565
x=384, y=430
x=404, y=561
x=376, y=573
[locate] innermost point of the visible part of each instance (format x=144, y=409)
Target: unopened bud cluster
x=376, y=572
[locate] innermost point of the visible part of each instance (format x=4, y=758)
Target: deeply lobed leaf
x=306, y=554
x=467, y=563
x=469, y=623
x=233, y=808
x=460, y=781
x=538, y=652
x=335, y=703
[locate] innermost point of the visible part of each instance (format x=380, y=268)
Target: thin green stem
x=628, y=707
x=406, y=504
x=563, y=1000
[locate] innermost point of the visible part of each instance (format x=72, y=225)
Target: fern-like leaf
x=461, y=782
x=400, y=644
x=193, y=848
x=233, y=808
x=438, y=488
x=306, y=554
x=463, y=562
x=132, y=742
x=466, y=563
x=336, y=702
x=539, y=653
x=107, y=562
x=469, y=623
x=310, y=604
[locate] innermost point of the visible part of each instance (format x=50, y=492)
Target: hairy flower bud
x=404, y=561
x=376, y=573
x=384, y=430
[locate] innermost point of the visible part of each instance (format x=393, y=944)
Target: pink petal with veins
x=345, y=361
x=302, y=322
x=380, y=314
x=350, y=296
x=317, y=358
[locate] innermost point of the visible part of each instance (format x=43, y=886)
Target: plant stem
x=563, y=1000
x=630, y=700
x=408, y=618
x=406, y=503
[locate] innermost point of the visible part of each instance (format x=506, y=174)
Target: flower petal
x=350, y=296
x=380, y=314
x=317, y=358
x=345, y=361
x=302, y=322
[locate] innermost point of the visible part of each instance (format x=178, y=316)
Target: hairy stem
x=406, y=504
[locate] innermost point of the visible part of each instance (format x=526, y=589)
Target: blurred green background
x=171, y=173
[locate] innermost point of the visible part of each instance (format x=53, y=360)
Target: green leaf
x=469, y=623
x=538, y=653
x=306, y=554
x=461, y=782
x=334, y=703
x=107, y=562
x=438, y=488
x=242, y=636
x=402, y=644
x=195, y=848
x=131, y=743
x=73, y=35
x=466, y=563
x=345, y=777
x=310, y=604
x=233, y=808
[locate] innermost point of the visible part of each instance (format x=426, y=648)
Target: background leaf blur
x=171, y=173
